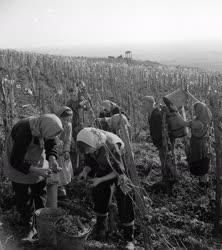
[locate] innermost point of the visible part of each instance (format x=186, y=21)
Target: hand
x=53, y=165
x=125, y=184
x=44, y=172
x=66, y=156
x=94, y=182
x=82, y=176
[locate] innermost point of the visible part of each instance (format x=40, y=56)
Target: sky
x=50, y=23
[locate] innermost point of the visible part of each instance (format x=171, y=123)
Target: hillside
x=43, y=80
x=179, y=218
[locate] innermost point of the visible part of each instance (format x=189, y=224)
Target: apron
x=34, y=155
x=66, y=174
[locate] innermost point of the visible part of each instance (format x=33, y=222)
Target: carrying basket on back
x=177, y=97
x=175, y=121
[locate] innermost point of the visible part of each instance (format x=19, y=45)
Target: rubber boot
x=31, y=235
x=128, y=234
x=62, y=193
x=100, y=228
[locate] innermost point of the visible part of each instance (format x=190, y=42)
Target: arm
x=83, y=175
x=96, y=181
x=195, y=124
x=50, y=148
x=108, y=177
x=21, y=135
x=51, y=155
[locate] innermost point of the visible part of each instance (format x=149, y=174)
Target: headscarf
x=114, y=140
x=64, y=111
x=45, y=126
x=93, y=137
x=116, y=120
x=202, y=112
x=109, y=105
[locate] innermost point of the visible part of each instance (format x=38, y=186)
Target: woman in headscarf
x=160, y=136
x=103, y=158
x=199, y=143
x=113, y=124
x=109, y=109
x=30, y=144
x=64, y=142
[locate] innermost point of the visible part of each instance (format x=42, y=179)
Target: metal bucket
x=45, y=220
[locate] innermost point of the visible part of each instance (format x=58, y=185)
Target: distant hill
x=206, y=55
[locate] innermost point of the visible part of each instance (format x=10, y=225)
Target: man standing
x=157, y=118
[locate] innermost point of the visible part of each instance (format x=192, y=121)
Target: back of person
x=155, y=123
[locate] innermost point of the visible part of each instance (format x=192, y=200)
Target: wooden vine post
x=215, y=105
x=8, y=102
x=140, y=203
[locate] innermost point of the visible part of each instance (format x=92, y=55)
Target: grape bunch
x=71, y=225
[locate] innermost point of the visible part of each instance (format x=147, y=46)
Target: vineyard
x=37, y=83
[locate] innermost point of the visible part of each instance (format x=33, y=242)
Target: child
x=65, y=138
x=26, y=166
x=78, y=104
x=113, y=124
x=104, y=165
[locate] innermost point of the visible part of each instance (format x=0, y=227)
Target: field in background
x=40, y=83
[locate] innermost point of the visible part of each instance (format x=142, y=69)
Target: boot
x=100, y=228
x=62, y=193
x=30, y=236
x=128, y=234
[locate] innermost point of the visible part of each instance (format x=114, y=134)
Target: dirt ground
x=179, y=218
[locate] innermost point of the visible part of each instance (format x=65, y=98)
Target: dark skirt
x=200, y=167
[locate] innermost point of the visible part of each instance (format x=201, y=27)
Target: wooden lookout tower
x=128, y=55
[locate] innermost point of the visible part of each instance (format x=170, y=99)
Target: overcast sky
x=39, y=23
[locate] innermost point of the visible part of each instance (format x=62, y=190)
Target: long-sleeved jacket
x=22, y=137
x=104, y=161
x=23, y=150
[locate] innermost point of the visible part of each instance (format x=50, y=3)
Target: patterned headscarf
x=64, y=112
x=93, y=137
x=45, y=126
x=202, y=112
x=109, y=105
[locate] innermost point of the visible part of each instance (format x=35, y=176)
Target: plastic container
x=45, y=220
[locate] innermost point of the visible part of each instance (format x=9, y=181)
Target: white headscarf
x=45, y=126
x=202, y=112
x=64, y=111
x=93, y=137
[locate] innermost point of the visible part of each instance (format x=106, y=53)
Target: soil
x=179, y=217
